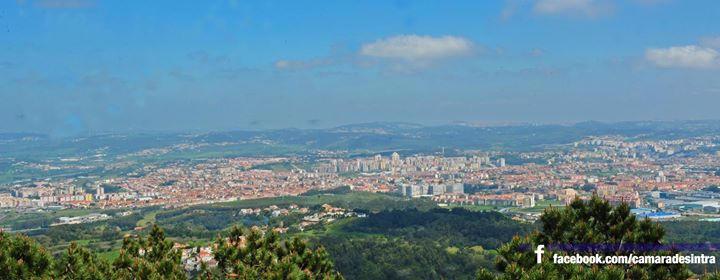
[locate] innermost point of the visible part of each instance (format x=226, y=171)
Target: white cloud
x=511, y=7
x=684, y=56
x=282, y=64
x=573, y=7
x=417, y=48
x=710, y=42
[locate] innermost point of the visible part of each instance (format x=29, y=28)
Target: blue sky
x=70, y=67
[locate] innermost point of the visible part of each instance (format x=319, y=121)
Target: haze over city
x=69, y=67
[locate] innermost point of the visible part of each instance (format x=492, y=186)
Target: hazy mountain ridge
x=361, y=137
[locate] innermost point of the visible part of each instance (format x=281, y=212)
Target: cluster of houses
x=274, y=210
x=328, y=214
x=89, y=218
x=193, y=258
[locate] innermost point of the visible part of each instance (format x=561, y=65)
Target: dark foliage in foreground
x=242, y=255
x=585, y=222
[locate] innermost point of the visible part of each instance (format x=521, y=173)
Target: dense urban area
x=663, y=179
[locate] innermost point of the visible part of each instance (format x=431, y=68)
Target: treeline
x=242, y=254
x=692, y=231
x=338, y=190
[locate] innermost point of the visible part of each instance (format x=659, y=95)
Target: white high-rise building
x=395, y=158
x=99, y=192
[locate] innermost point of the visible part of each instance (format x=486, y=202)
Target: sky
x=70, y=67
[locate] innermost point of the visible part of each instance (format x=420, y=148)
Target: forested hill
x=455, y=227
x=412, y=244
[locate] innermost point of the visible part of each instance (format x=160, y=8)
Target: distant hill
x=20, y=136
x=368, y=137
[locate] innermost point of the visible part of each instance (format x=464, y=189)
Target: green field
x=539, y=207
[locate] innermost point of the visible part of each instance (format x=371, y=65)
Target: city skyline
x=75, y=66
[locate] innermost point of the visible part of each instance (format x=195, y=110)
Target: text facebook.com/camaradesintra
x=625, y=259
